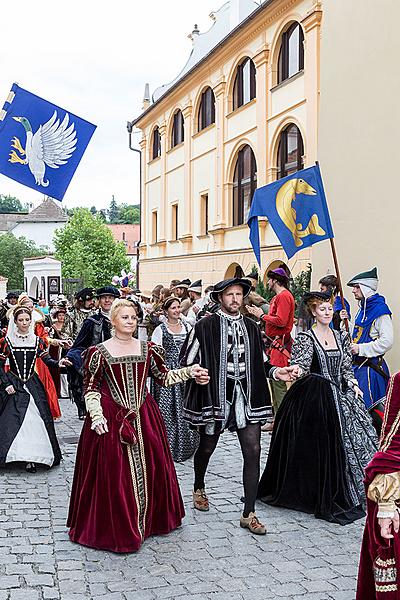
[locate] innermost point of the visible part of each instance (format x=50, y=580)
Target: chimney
x=146, y=97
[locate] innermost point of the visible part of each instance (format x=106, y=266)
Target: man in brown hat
x=229, y=345
x=278, y=326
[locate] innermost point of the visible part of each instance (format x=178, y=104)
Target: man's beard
x=232, y=310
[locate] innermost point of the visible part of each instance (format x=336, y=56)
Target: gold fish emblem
x=284, y=198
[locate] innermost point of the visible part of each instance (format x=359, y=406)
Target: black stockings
x=207, y=445
x=249, y=439
x=250, y=442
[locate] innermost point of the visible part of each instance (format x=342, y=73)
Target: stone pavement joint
x=208, y=558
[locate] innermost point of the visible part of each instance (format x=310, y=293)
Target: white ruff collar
x=225, y=315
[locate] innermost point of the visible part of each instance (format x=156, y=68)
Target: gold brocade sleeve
x=161, y=374
x=178, y=375
x=94, y=370
x=385, y=491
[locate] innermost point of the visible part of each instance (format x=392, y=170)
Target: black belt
x=362, y=361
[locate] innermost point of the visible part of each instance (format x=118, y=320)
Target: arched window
x=178, y=129
x=206, y=109
x=290, y=151
x=244, y=88
x=291, y=55
x=244, y=184
x=156, y=145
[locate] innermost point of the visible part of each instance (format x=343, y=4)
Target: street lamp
x=129, y=127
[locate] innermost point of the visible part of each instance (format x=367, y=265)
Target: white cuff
x=96, y=422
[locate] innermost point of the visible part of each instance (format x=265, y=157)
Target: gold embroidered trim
x=385, y=563
x=130, y=395
x=385, y=442
x=386, y=588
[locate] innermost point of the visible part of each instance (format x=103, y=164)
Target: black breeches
x=249, y=439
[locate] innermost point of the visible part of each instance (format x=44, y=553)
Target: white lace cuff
x=96, y=422
x=385, y=515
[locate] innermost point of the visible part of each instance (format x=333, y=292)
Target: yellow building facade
x=244, y=113
x=359, y=144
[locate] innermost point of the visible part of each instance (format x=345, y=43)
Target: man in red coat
x=278, y=327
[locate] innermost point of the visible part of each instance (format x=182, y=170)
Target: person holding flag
x=372, y=338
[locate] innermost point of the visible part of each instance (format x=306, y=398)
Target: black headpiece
x=85, y=294
x=223, y=285
x=108, y=290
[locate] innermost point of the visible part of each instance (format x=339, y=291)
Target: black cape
x=205, y=403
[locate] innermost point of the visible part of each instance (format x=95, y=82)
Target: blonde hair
x=118, y=305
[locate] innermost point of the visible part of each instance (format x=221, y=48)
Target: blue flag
x=297, y=210
x=41, y=144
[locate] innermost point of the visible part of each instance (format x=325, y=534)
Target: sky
x=93, y=59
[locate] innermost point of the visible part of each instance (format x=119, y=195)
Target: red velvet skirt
x=123, y=493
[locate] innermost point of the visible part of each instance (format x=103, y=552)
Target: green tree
x=299, y=285
x=13, y=251
x=10, y=204
x=87, y=250
x=113, y=211
x=129, y=213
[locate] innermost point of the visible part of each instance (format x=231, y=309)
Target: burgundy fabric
x=103, y=511
x=387, y=460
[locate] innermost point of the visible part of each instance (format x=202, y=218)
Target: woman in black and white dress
x=26, y=425
x=323, y=436
x=170, y=335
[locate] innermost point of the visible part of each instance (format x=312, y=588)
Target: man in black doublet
x=237, y=398
x=95, y=329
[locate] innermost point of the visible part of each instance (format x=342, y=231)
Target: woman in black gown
x=26, y=425
x=323, y=437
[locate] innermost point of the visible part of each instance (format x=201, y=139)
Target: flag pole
x=338, y=276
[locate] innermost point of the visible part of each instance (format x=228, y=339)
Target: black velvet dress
x=26, y=425
x=323, y=437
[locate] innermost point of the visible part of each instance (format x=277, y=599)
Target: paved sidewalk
x=208, y=558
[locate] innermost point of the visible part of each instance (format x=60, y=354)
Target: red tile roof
x=127, y=233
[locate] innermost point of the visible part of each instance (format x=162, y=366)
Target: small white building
x=38, y=225
x=42, y=277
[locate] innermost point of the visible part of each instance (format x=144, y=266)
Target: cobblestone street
x=210, y=557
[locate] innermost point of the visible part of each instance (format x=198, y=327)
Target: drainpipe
x=129, y=127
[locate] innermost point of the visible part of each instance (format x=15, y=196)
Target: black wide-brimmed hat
x=324, y=296
x=85, y=294
x=108, y=290
x=223, y=285
x=183, y=284
x=196, y=286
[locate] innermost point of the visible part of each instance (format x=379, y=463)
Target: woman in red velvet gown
x=379, y=570
x=125, y=487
